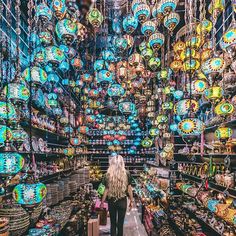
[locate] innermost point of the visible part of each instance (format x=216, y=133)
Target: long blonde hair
x=117, y=177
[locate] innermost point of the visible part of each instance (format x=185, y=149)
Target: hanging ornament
x=127, y=108
x=171, y=21
x=223, y=133
x=228, y=40
x=204, y=27
x=156, y=41
x=190, y=126
x=116, y=91
x=54, y=55
x=142, y=12
x=148, y=28
x=43, y=12
x=36, y=75
x=157, y=12
x=214, y=93
x=224, y=109
x=147, y=142
x=183, y=107
x=213, y=66
x=10, y=163
x=130, y=24
x=7, y=112
x=164, y=74
x=216, y=7
x=167, y=6
x=179, y=46
x=59, y=7
x=154, y=63
x=95, y=17
x=197, y=87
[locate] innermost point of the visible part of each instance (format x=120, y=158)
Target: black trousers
x=117, y=210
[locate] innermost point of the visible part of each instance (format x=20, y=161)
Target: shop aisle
x=132, y=225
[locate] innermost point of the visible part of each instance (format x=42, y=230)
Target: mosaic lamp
x=52, y=100
x=108, y=55
x=154, y=63
x=54, y=55
x=154, y=132
x=171, y=21
x=157, y=12
x=176, y=65
x=36, y=75
x=197, y=86
x=136, y=3
x=216, y=7
x=214, y=93
x=204, y=27
x=7, y=111
x=95, y=17
x=10, y=163
x=127, y=108
x=147, y=142
x=228, y=40
x=130, y=24
x=224, y=109
x=104, y=77
x=167, y=6
x=116, y=90
x=59, y=7
x=142, y=12
x=43, y=12
x=156, y=41
x=164, y=74
x=66, y=31
x=29, y=194
x=148, y=28
x=223, y=133
x=213, y=65
x=190, y=126
x=183, y=107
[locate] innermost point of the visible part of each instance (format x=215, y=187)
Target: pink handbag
x=98, y=203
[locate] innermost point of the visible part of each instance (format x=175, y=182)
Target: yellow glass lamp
x=214, y=93
x=204, y=27
x=213, y=65
x=206, y=54
x=216, y=7
x=198, y=86
x=188, y=53
x=195, y=41
x=179, y=46
x=176, y=65
x=191, y=65
x=224, y=109
x=223, y=133
x=228, y=40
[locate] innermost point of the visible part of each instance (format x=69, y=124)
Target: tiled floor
x=132, y=225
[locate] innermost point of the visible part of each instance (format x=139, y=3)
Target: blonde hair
x=117, y=177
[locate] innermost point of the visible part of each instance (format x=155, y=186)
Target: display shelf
x=212, y=185
x=229, y=123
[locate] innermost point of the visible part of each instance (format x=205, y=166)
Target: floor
x=132, y=225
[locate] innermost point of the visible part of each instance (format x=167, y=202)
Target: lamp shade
x=190, y=126
x=183, y=107
x=171, y=21
x=147, y=142
x=29, y=194
x=95, y=17
x=127, y=108
x=228, y=39
x=214, y=93
x=115, y=90
x=142, y=12
x=223, y=133
x=156, y=40
x=17, y=92
x=148, y=27
x=213, y=65
x=130, y=24
x=10, y=163
x=34, y=74
x=224, y=109
x=7, y=111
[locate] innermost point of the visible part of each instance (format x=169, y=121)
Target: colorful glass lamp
x=171, y=21
x=214, y=93
x=36, y=75
x=224, y=109
x=130, y=24
x=223, y=133
x=95, y=17
x=142, y=12
x=148, y=27
x=156, y=41
x=190, y=126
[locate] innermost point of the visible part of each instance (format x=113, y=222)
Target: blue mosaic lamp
x=183, y=107
x=168, y=6
x=171, y=21
x=130, y=24
x=43, y=12
x=5, y=134
x=104, y=76
x=66, y=31
x=228, y=40
x=54, y=55
x=127, y=108
x=116, y=90
x=10, y=163
x=142, y=12
x=35, y=74
x=7, y=111
x=190, y=126
x=148, y=27
x=108, y=55
x=59, y=8
x=156, y=41
x=147, y=142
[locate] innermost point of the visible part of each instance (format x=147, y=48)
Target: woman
x=117, y=185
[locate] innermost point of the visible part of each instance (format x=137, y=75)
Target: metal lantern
x=127, y=108
x=66, y=31
x=10, y=163
x=95, y=17
x=34, y=74
x=17, y=92
x=148, y=27
x=54, y=55
x=168, y=6
x=156, y=41
x=197, y=86
x=115, y=90
x=190, y=126
x=223, y=133
x=171, y=21
x=228, y=40
x=7, y=111
x=154, y=63
x=204, y=27
x=29, y=194
x=224, y=109
x=142, y=12
x=43, y=12
x=213, y=65
x=183, y=107
x=130, y=24
x=214, y=93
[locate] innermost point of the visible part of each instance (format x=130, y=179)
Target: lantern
x=228, y=40
x=164, y=74
x=204, y=27
x=214, y=93
x=7, y=111
x=161, y=119
x=167, y=106
x=154, y=132
x=95, y=17
x=183, y=107
x=197, y=86
x=100, y=64
x=115, y=90
x=87, y=78
x=54, y=55
x=154, y=63
x=213, y=65
x=19, y=135
x=34, y=74
x=176, y=65
x=136, y=3
x=167, y=6
x=29, y=194
x=10, y=163
x=216, y=7
x=223, y=133
x=127, y=108
x=178, y=94
x=157, y=12
x=66, y=31
x=147, y=53
x=148, y=28
x=147, y=142
x=142, y=12
x=190, y=126
x=171, y=21
x=130, y=24
x=156, y=41
x=59, y=7
x=52, y=99
x=179, y=46
x=83, y=129
x=224, y=109
x=191, y=65
x=77, y=63
x=43, y=12
x=17, y=92
x=120, y=44
x=135, y=59
x=104, y=76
